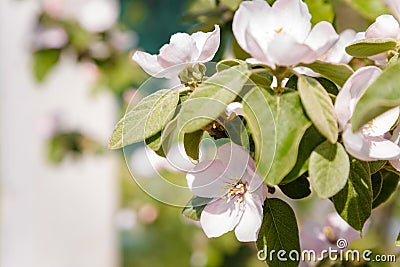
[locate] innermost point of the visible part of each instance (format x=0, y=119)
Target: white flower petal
x=181, y=49
x=351, y=92
x=383, y=123
x=381, y=148
x=250, y=223
x=286, y=51
x=235, y=107
x=235, y=158
x=207, y=44
x=257, y=49
x=360, y=36
x=256, y=184
x=335, y=221
x=337, y=53
x=313, y=238
x=220, y=217
x=306, y=71
x=369, y=148
x=207, y=179
x=356, y=144
x=250, y=15
x=322, y=37
x=385, y=26
x=379, y=59
x=342, y=229
x=148, y=63
x=293, y=17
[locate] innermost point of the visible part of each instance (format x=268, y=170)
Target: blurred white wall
x=51, y=215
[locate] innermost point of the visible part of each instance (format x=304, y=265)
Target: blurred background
x=66, y=77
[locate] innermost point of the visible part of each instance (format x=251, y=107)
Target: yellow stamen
x=330, y=235
x=236, y=190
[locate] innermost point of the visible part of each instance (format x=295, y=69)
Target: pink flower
x=281, y=34
x=371, y=141
x=385, y=26
x=318, y=237
x=238, y=193
x=181, y=50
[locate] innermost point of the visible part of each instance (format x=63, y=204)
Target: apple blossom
x=238, y=193
x=182, y=49
x=318, y=237
x=370, y=142
x=281, y=34
x=385, y=26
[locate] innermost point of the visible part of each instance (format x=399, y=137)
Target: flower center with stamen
x=279, y=30
x=236, y=191
x=369, y=128
x=330, y=235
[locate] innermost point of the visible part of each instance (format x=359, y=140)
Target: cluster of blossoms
x=278, y=36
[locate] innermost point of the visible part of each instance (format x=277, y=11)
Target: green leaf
x=381, y=96
x=292, y=82
x=278, y=231
x=238, y=52
x=370, y=47
x=263, y=79
x=277, y=123
x=329, y=86
x=236, y=131
x=154, y=143
x=44, y=61
x=354, y=201
x=145, y=119
x=319, y=107
x=370, y=9
x=298, y=189
x=311, y=139
x=377, y=182
x=375, y=166
x=329, y=169
x=210, y=99
x=195, y=207
x=191, y=142
x=338, y=73
x=394, y=59
x=398, y=241
x=228, y=63
x=390, y=183
x=320, y=10
x=169, y=136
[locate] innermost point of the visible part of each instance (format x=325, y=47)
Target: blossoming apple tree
x=310, y=121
